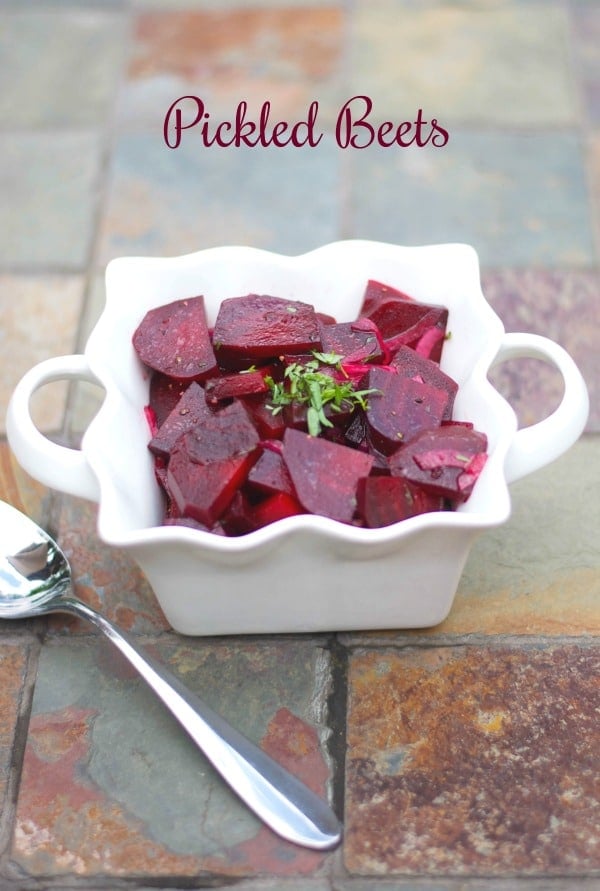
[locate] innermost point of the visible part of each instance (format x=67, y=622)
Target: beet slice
x=276, y=507
x=445, y=462
x=165, y=393
x=270, y=475
x=349, y=340
x=174, y=340
x=203, y=491
x=234, y=386
x=324, y=474
x=404, y=320
x=411, y=364
x=401, y=409
x=189, y=411
x=386, y=500
x=255, y=328
x=269, y=425
x=225, y=433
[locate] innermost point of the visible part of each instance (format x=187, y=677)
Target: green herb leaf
x=307, y=385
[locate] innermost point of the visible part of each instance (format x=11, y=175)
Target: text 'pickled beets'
x=356, y=126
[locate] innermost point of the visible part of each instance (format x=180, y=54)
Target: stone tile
x=40, y=314
x=501, y=63
x=112, y=787
x=107, y=578
x=286, y=55
x=593, y=155
x=46, y=215
x=13, y=665
x=470, y=761
x=519, y=199
x=539, y=573
x=586, y=30
x=20, y=490
x=170, y=202
x=562, y=305
x=59, y=68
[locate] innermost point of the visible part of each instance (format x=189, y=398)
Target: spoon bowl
x=35, y=580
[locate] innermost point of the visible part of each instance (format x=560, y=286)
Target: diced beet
x=404, y=320
x=356, y=431
x=237, y=517
x=189, y=411
x=445, y=462
x=150, y=416
x=255, y=328
x=165, y=393
x=269, y=425
x=276, y=507
x=325, y=319
x=270, y=475
x=377, y=294
x=410, y=364
x=203, y=491
x=349, y=340
x=234, y=386
x=386, y=500
x=174, y=340
x=225, y=433
x=400, y=409
x=324, y=474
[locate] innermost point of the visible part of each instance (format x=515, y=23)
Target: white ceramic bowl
x=304, y=573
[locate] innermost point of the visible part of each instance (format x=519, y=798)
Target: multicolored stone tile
x=473, y=760
x=561, y=305
x=48, y=200
x=504, y=64
x=13, y=666
x=285, y=55
x=104, y=577
x=170, y=202
x=519, y=198
x=40, y=319
x=586, y=31
x=60, y=68
x=20, y=490
x=111, y=786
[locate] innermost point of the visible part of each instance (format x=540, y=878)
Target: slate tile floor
x=462, y=756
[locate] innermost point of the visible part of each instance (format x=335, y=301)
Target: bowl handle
x=539, y=444
x=57, y=466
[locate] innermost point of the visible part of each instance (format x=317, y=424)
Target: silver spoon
x=35, y=579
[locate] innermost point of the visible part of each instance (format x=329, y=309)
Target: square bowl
x=302, y=573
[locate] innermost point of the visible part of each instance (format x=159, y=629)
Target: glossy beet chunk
x=190, y=411
x=235, y=386
x=383, y=500
x=165, y=393
x=353, y=342
x=174, y=340
x=445, y=462
x=400, y=409
x=324, y=474
x=410, y=364
x=225, y=433
x=403, y=320
x=204, y=491
x=256, y=328
x=270, y=474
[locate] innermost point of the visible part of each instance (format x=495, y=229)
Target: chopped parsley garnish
x=305, y=384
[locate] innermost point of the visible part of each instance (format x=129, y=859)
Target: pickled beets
x=280, y=411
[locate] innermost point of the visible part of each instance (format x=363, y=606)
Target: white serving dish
x=303, y=573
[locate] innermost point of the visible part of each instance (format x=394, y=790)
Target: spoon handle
x=284, y=803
